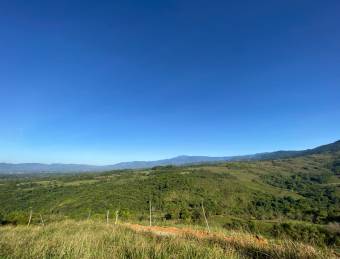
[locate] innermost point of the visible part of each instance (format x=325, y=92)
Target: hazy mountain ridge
x=179, y=160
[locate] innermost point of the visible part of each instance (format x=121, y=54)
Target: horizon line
x=171, y=157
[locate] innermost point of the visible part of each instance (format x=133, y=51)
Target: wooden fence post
x=42, y=221
x=30, y=218
x=205, y=218
x=116, y=221
x=150, y=213
x=107, y=216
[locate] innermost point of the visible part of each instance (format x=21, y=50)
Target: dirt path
x=174, y=231
x=236, y=240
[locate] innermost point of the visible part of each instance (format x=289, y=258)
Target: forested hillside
x=298, y=197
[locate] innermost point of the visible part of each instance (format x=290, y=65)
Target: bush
x=313, y=234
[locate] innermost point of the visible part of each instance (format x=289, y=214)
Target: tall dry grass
x=90, y=239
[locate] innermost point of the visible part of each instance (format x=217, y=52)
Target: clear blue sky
x=106, y=81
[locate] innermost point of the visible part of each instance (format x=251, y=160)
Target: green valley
x=296, y=197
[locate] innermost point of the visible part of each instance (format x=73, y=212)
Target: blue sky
x=100, y=82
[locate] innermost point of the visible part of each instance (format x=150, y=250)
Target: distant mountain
x=37, y=167
x=179, y=160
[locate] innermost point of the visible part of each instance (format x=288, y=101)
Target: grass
x=92, y=239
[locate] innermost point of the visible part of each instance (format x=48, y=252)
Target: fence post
x=150, y=213
x=205, y=218
x=116, y=221
x=42, y=221
x=30, y=218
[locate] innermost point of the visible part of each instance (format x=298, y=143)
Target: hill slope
x=298, y=197
x=93, y=239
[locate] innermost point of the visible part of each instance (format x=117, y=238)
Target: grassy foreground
x=90, y=239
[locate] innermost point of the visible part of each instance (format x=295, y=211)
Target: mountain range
x=10, y=168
